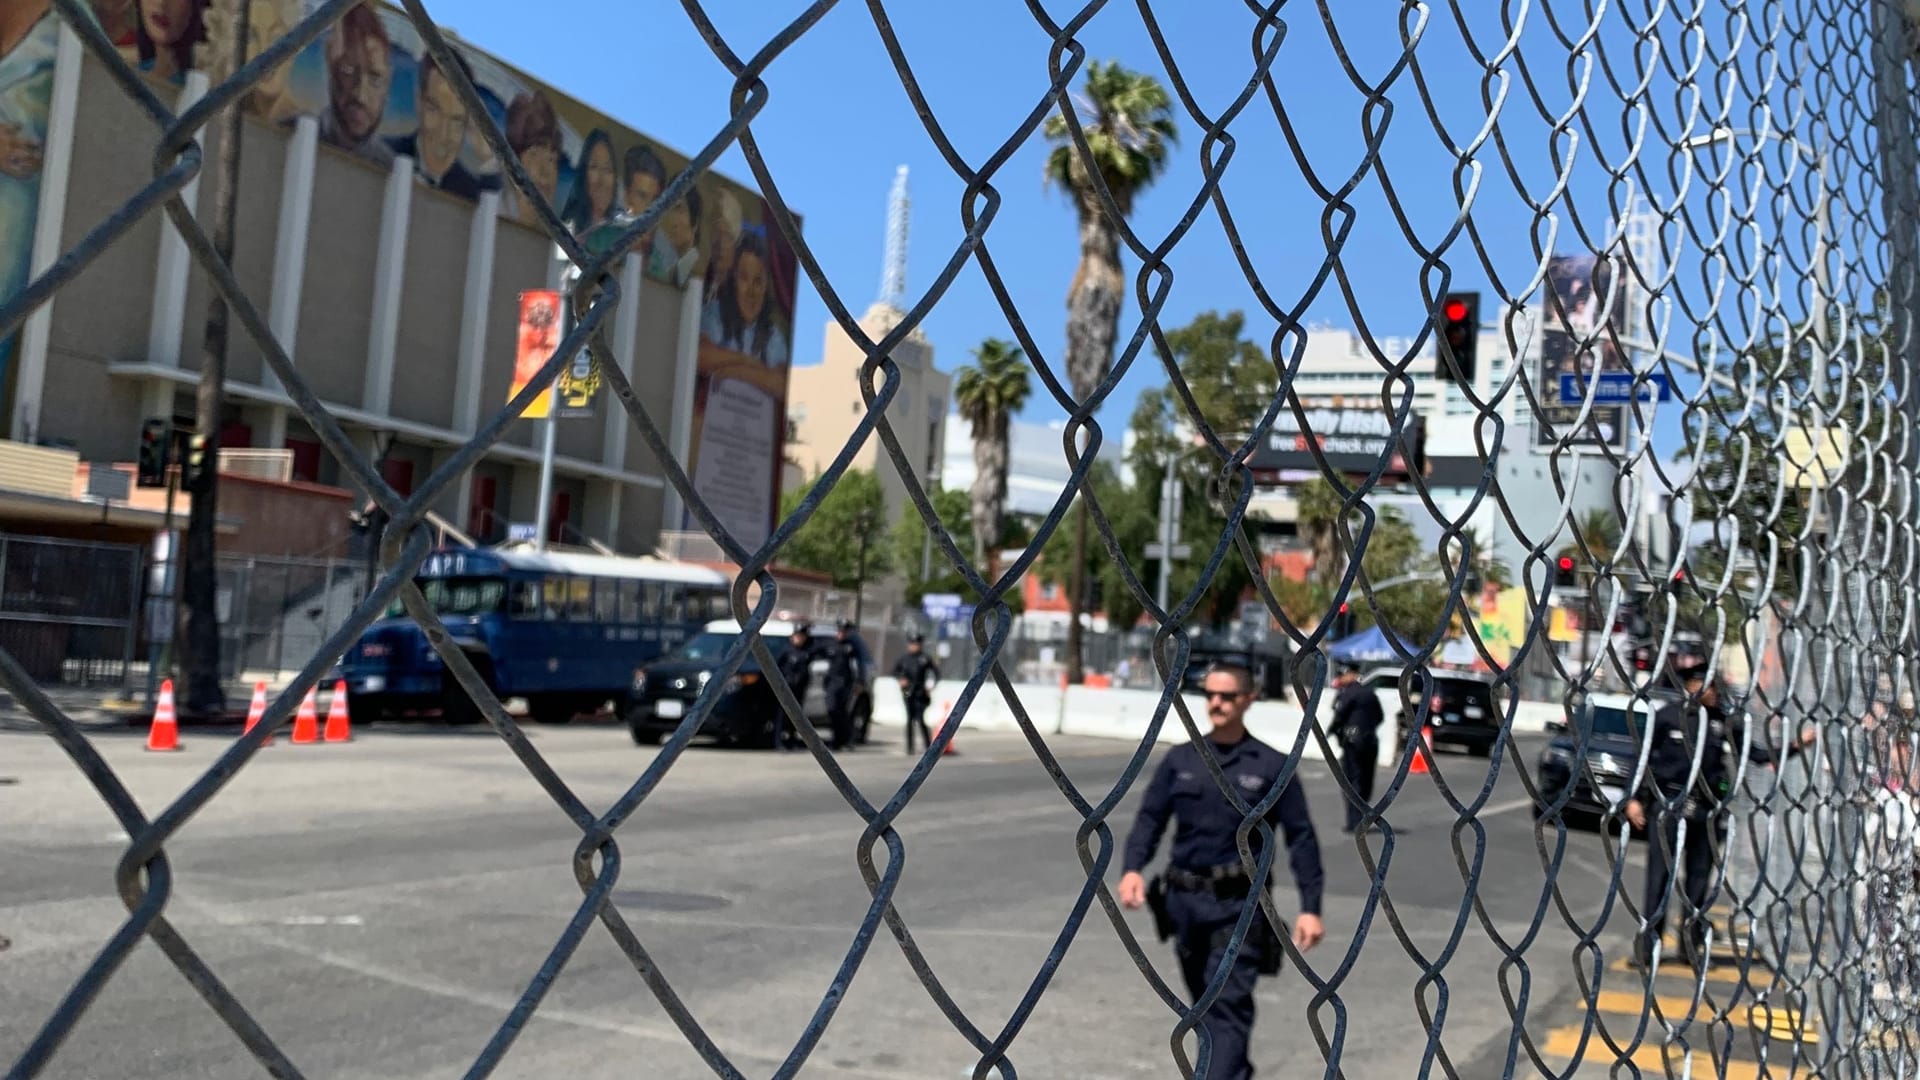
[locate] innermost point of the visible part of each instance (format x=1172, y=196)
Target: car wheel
x=368, y=708
x=643, y=736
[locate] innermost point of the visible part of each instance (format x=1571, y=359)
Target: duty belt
x=1230, y=880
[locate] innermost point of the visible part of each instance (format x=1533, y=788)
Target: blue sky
x=838, y=123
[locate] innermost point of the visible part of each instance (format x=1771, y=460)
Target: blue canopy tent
x=1369, y=645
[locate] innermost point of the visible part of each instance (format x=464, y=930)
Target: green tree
x=1126, y=118
x=1231, y=381
x=911, y=553
x=1131, y=517
x=988, y=393
x=849, y=523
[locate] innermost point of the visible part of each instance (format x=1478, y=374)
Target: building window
x=398, y=473
x=557, y=522
x=306, y=459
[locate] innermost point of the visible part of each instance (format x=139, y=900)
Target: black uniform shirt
x=1356, y=715
x=1205, y=822
x=1681, y=726
x=914, y=667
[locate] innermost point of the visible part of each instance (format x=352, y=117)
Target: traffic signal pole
x=167, y=589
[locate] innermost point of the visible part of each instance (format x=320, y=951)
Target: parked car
x=1610, y=726
x=1460, y=708
x=746, y=712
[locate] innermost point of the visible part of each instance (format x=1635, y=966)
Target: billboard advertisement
x=377, y=95
x=1575, y=341
x=1353, y=440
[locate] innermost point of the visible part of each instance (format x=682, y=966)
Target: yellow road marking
x=1565, y=1043
x=1719, y=973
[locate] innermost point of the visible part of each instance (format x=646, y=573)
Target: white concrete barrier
x=1126, y=714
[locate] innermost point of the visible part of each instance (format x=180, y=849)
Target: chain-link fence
x=1767, y=152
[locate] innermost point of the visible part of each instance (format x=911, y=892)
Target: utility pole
x=205, y=693
x=550, y=444
x=1168, y=547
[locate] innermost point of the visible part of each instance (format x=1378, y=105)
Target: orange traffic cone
x=257, y=711
x=339, y=728
x=306, y=723
x=164, y=734
x=1421, y=752
x=946, y=710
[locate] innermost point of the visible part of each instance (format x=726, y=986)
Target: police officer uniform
x=917, y=674
x=1205, y=884
x=796, y=666
x=843, y=675
x=1356, y=726
x=1678, y=728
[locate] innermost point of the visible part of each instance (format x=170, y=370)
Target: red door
x=557, y=523
x=480, y=503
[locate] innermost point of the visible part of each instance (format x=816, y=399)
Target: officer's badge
x=1252, y=782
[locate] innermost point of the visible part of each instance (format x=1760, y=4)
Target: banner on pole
x=539, y=336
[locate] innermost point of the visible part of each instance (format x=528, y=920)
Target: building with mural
x=380, y=237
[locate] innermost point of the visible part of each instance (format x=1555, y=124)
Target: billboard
x=376, y=94
x=1353, y=440
x=1575, y=341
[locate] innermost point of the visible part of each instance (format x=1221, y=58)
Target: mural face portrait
x=677, y=226
x=641, y=191
x=601, y=180
x=359, y=73
x=267, y=22
x=443, y=124
x=167, y=22
x=750, y=285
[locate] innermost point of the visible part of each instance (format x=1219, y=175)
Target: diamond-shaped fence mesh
x=1741, y=180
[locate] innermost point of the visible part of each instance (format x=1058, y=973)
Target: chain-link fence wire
x=1772, y=145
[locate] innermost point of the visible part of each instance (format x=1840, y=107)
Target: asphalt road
x=380, y=905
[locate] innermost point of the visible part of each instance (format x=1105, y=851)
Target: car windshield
x=710, y=645
x=1607, y=720
x=458, y=596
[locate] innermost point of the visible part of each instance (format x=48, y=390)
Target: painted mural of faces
x=602, y=178
x=359, y=73
x=167, y=32
x=272, y=98
x=677, y=225
x=749, y=284
x=534, y=133
x=443, y=124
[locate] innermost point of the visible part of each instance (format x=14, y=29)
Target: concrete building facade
x=393, y=283
x=825, y=406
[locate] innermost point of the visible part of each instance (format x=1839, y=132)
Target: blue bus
x=563, y=630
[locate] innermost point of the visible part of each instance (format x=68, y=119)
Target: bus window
x=652, y=601
x=580, y=598
x=606, y=601
x=672, y=603
x=526, y=600
x=629, y=602
x=716, y=605
x=554, y=603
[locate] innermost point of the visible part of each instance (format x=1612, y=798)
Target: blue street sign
x=1613, y=388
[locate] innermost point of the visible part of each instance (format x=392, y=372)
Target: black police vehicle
x=664, y=691
x=1611, y=725
x=1460, y=708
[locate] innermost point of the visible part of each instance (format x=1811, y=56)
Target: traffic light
x=1565, y=578
x=1460, y=333
x=156, y=443
x=194, y=471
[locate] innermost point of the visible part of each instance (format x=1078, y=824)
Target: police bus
x=564, y=630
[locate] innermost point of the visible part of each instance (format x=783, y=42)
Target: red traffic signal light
x=1566, y=563
x=1460, y=337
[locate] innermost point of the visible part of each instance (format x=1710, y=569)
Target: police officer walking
x=1200, y=895
x=917, y=674
x=1678, y=729
x=843, y=674
x=1356, y=727
x=796, y=666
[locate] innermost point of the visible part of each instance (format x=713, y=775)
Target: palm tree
x=1127, y=120
x=988, y=394
x=1318, y=519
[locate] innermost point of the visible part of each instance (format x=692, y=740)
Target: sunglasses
x=1223, y=695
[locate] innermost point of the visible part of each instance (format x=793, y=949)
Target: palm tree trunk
x=1093, y=320
x=204, y=693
